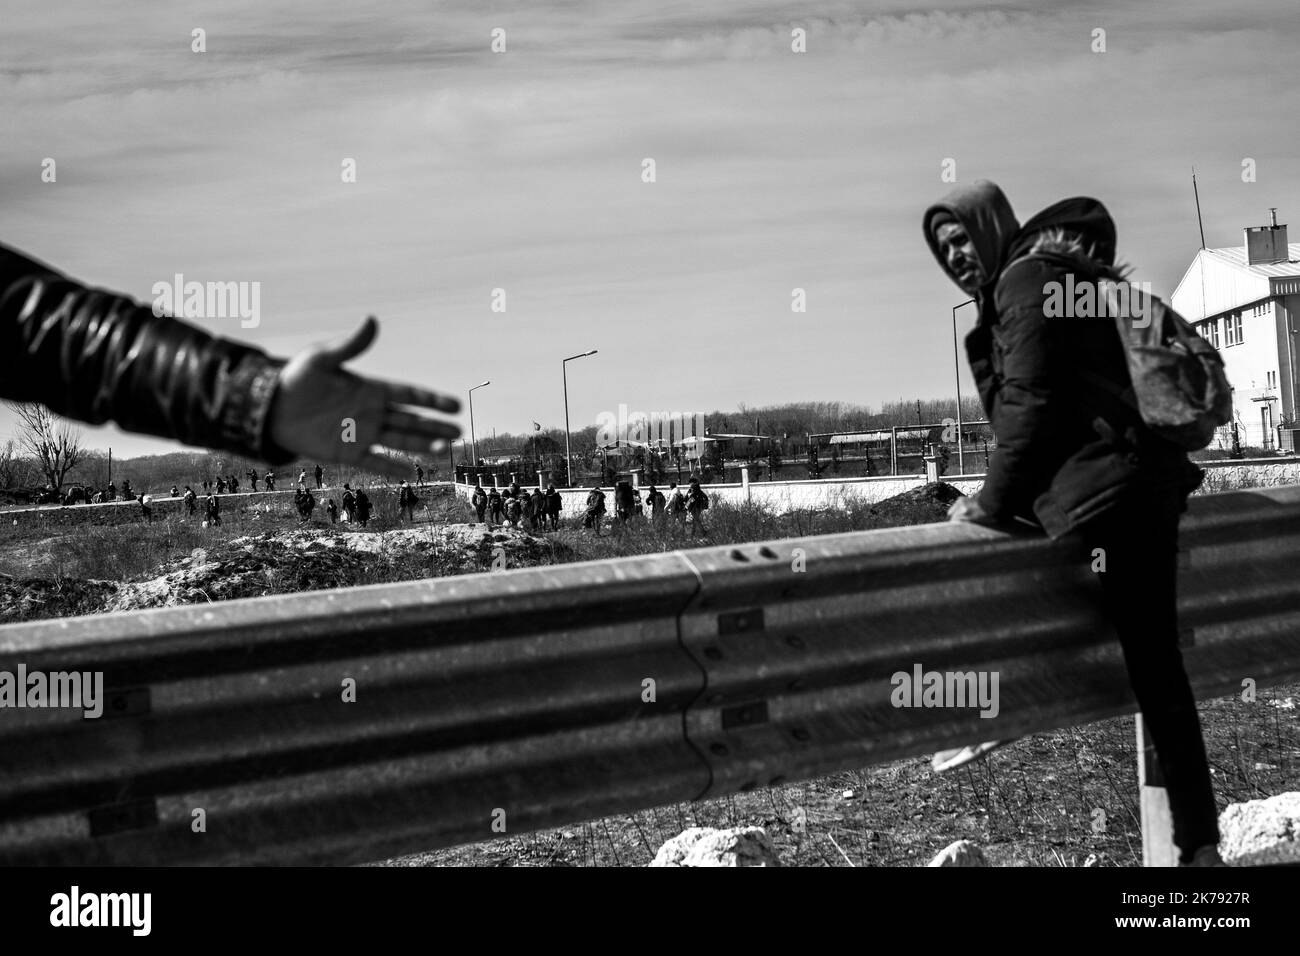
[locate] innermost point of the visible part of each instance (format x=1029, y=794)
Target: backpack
x=1179, y=388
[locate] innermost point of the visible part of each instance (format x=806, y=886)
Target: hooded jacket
x=1069, y=448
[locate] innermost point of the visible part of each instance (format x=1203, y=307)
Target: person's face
x=958, y=250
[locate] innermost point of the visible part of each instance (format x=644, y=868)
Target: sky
x=522, y=170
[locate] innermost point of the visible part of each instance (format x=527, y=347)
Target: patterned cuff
x=252, y=389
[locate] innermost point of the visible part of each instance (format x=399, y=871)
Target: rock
x=706, y=846
x=1261, y=832
x=961, y=853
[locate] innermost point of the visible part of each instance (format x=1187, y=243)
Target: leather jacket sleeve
x=96, y=356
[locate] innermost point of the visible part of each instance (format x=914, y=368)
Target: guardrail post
x=1157, y=825
x=893, y=450
x=744, y=481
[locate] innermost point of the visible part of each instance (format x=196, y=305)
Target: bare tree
x=53, y=443
x=12, y=466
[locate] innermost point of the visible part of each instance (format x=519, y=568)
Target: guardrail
x=532, y=698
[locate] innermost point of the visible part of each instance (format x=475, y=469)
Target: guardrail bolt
x=713, y=653
x=801, y=735
x=794, y=640
x=719, y=750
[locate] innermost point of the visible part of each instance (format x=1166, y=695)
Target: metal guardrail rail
x=520, y=697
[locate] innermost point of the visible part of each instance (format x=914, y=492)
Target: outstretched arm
x=96, y=356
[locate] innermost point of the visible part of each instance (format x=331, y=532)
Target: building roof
x=1236, y=255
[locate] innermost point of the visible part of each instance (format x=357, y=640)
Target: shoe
x=1207, y=855
x=948, y=759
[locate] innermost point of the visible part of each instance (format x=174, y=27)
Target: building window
x=1232, y=329
x=1210, y=332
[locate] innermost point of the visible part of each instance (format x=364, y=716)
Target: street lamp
x=568, y=455
x=473, y=445
x=956, y=368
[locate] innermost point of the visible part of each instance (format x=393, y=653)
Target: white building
x=1246, y=301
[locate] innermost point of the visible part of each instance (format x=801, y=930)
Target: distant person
x=495, y=516
x=221, y=485
x=302, y=477
x=514, y=510
x=127, y=493
x=145, y=508
x=349, y=503
x=479, y=500
x=251, y=475
x=406, y=501
x=233, y=484
x=419, y=475
x=111, y=493
x=539, y=509
x=214, y=511
x=306, y=505
x=191, y=505
x=1076, y=460
x=622, y=503
x=363, y=506
x=269, y=481
x=656, y=500
x=332, y=510
x=697, y=500
x=554, y=505
x=595, y=509
x=175, y=491
x=676, y=505
x=320, y=477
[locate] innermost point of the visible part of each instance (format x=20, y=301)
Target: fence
x=537, y=697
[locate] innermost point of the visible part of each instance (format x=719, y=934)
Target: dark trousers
x=1139, y=595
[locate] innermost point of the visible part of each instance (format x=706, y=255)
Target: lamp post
x=568, y=456
x=473, y=445
x=956, y=368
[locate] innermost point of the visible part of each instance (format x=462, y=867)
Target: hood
x=984, y=212
x=1085, y=217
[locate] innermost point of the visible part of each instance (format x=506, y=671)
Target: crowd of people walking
x=538, y=510
x=356, y=504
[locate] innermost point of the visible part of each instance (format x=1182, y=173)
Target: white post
x=744, y=481
x=1157, y=825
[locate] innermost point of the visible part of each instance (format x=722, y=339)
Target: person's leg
x=1139, y=594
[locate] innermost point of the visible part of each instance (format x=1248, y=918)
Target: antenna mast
x=1195, y=193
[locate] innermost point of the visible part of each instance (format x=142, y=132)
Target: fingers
x=353, y=345
x=397, y=394
x=383, y=465
x=421, y=426
x=404, y=441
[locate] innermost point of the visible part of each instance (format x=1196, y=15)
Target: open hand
x=323, y=412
